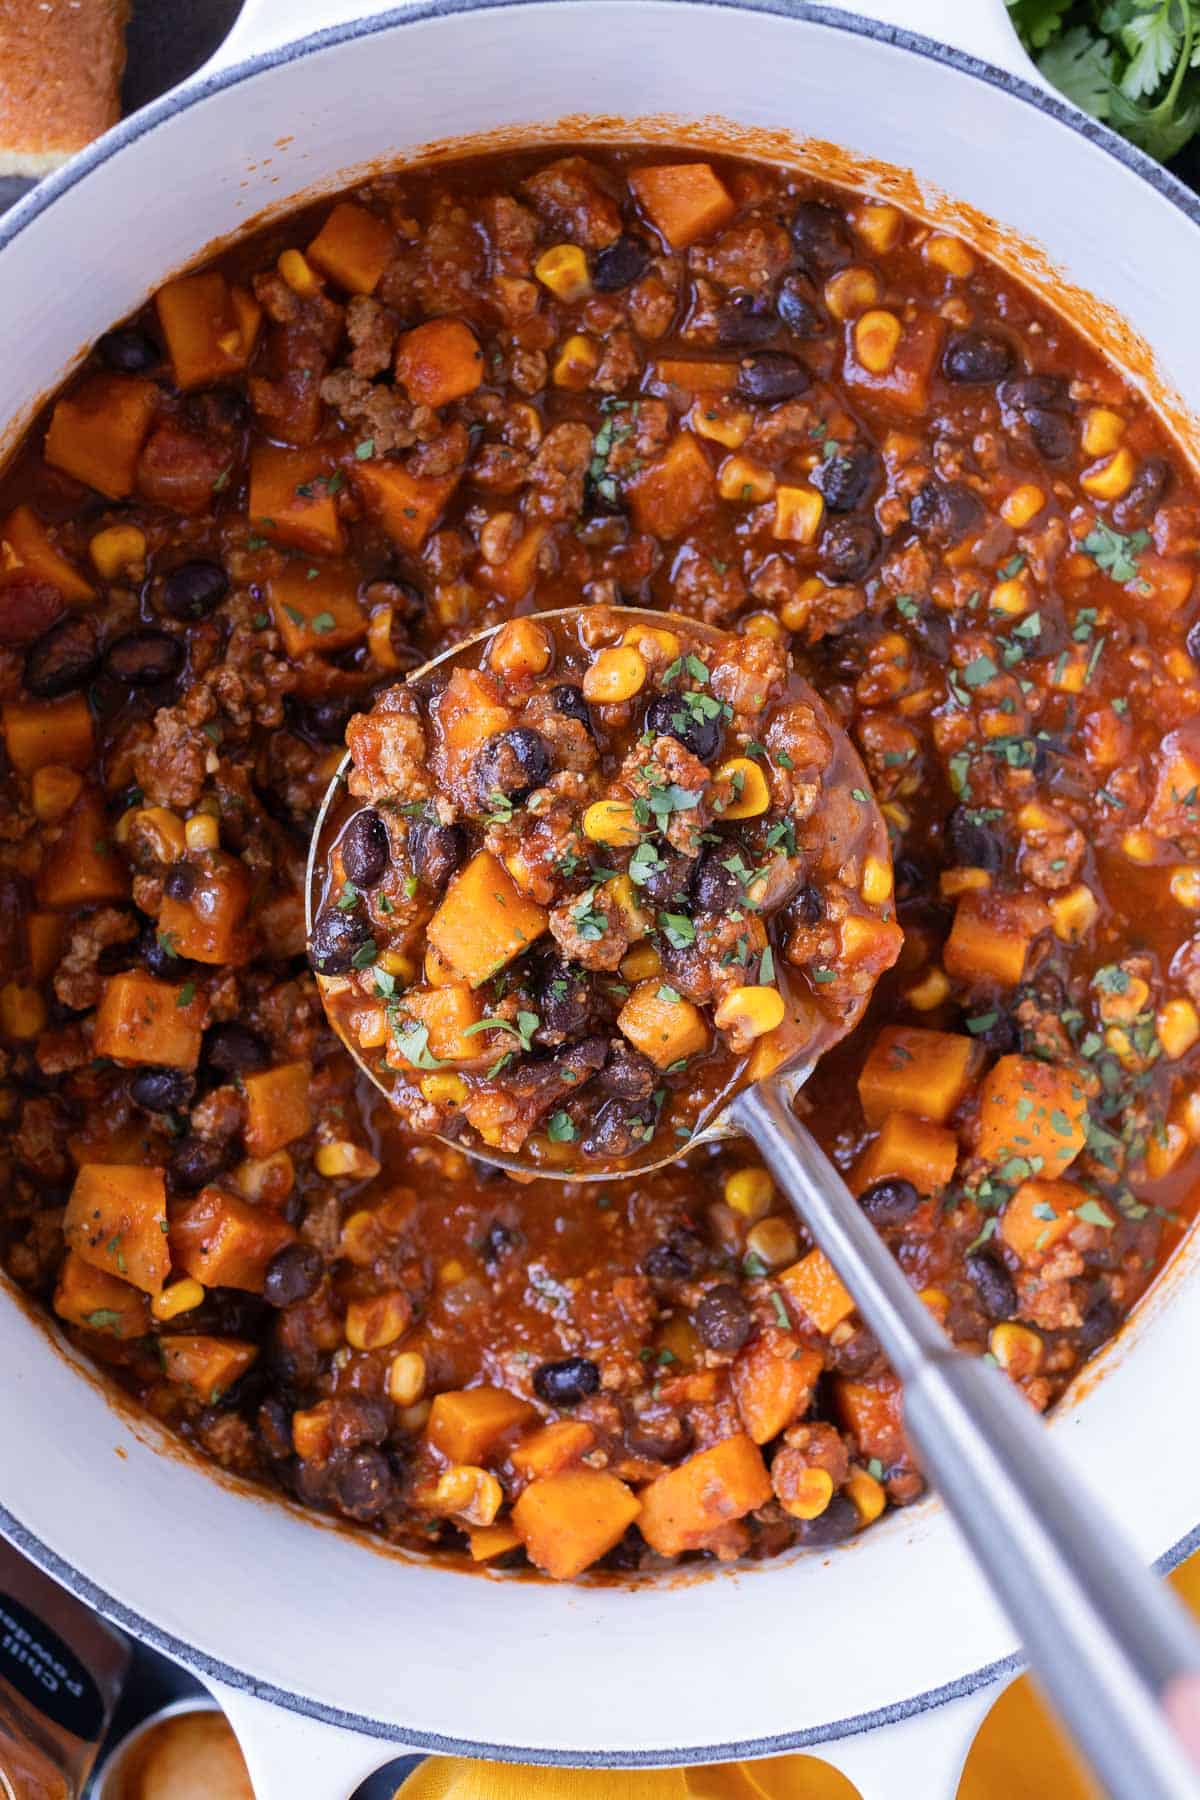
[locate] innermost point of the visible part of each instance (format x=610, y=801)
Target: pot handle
x=289, y=1754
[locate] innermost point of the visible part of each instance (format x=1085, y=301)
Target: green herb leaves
x=1115, y=552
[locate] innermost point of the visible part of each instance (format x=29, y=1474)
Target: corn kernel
x=931, y=991
x=120, y=550
x=879, y=224
x=1022, y=505
x=1074, y=913
x=451, y=1272
x=444, y=1089
x=469, y=1493
x=22, y=1010
x=877, y=883
x=563, y=269
x=266, y=1178
x=177, y=1297
x=655, y=646
x=876, y=339
x=751, y=1011
x=750, y=1192
x=725, y=425
x=202, y=832
x=1071, y=668
x=1165, y=1149
x=1118, y=1040
x=380, y=645
x=795, y=613
x=615, y=675
x=576, y=363
x=774, y=1242
x=1177, y=1027
x=160, y=830
x=851, y=291
x=1139, y=846
x=345, y=1161
x=1110, y=479
x=1189, y=1115
x=1185, y=887
x=54, y=791
x=406, y=1378
x=1010, y=597
x=611, y=822
x=1017, y=1349
x=953, y=882
x=399, y=964
x=811, y=1495
x=749, y=793
x=1124, y=1007
x=897, y=816
x=369, y=1026
x=641, y=963
x=866, y=1495
x=741, y=479
x=1103, y=430
x=522, y=647
x=949, y=254
x=375, y=1323
x=936, y=1301
x=798, y=515
x=299, y=273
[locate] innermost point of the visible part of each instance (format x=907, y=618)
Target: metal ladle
x=1115, y=1651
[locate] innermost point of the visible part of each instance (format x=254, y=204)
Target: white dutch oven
x=886, y=1653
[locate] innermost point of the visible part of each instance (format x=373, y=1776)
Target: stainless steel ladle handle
x=1105, y=1638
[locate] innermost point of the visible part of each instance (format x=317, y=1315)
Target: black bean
x=671, y=715
x=195, y=1161
x=1100, y=1322
x=158, y=958
x=770, y=375
x=129, y=350
x=977, y=357
x=723, y=1319
x=566, y=1382
x=679, y=1257
x=1193, y=642
x=848, y=550
x=797, y=308
x=739, y=323
x=615, y=1131
x=563, y=999
x=144, y=658
x=820, y=238
x=1053, y=436
x=974, y=843
x=1043, y=404
x=628, y=1075
x=666, y=1439
x=512, y=763
x=365, y=1485
x=1144, y=496
x=619, y=265
x=714, y=887
x=366, y=849
x=63, y=659
x=1051, y=392
x=808, y=907
x=931, y=629
x=193, y=589
x=993, y=1284
x=233, y=1049
x=890, y=1202
x=568, y=700
x=945, y=510
x=323, y=720
x=293, y=1273
x=667, y=878
x=161, y=1090
x=845, y=480
x=1001, y=1033
x=498, y=1240
x=839, y=1521
x=435, y=851
x=336, y=939
x=179, y=882
x=222, y=411
x=273, y=1422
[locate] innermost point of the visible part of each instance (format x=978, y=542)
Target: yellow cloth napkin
x=775, y=1778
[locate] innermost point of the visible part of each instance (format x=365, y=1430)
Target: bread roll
x=60, y=78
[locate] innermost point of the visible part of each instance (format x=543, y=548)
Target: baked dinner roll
x=61, y=63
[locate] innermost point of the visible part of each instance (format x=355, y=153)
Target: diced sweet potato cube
x=911, y=1148
x=447, y=1013
x=1175, y=804
x=467, y=1424
x=486, y=1542
x=207, y=926
x=312, y=1432
x=817, y=1290
x=27, y=552
x=209, y=1366
x=910, y=1069
x=553, y=1448
x=518, y=573
x=1033, y=1113
x=292, y=499
x=903, y=390
x=208, y=338
x=683, y=201
x=87, y=1296
x=696, y=377
x=80, y=867
x=40, y=732
x=772, y=1390
x=1162, y=586
x=141, y=1020
x=484, y=922
x=353, y=247
x=96, y=433
x=469, y=711
x=406, y=506
x=567, y=1522
x=1039, y=1215
x=277, y=1107
x=439, y=361
x=316, y=609
x=874, y=1412
x=684, y=1507
x=666, y=1030
x=45, y=933
x=671, y=493
x=990, y=938
x=116, y=1219
x=221, y=1240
